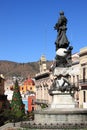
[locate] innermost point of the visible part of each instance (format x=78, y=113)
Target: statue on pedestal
x=63, y=62
x=63, y=50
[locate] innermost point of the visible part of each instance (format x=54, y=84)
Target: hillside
x=9, y=68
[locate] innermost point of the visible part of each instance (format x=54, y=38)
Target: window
x=73, y=80
x=77, y=80
x=84, y=96
x=84, y=73
x=30, y=88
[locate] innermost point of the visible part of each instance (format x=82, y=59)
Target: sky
x=27, y=28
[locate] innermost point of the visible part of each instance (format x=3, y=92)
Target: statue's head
x=61, y=13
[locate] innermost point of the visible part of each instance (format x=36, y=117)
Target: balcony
x=83, y=81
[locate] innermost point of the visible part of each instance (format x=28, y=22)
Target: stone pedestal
x=61, y=115
x=62, y=100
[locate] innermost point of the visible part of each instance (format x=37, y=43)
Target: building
x=79, y=76
x=42, y=84
x=8, y=85
x=27, y=89
x=28, y=93
x=28, y=86
x=83, y=78
x=31, y=103
x=74, y=76
x=3, y=98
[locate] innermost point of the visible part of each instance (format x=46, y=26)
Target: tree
x=17, y=106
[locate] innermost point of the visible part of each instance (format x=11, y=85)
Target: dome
x=29, y=82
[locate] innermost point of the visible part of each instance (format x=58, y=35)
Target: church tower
x=42, y=64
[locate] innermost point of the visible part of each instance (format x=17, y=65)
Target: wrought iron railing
x=83, y=81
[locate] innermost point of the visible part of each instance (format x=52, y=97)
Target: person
x=60, y=26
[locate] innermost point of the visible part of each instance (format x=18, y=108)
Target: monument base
x=54, y=116
x=62, y=110
x=62, y=100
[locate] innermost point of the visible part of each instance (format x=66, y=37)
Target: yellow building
x=28, y=86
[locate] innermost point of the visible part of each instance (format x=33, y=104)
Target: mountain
x=10, y=69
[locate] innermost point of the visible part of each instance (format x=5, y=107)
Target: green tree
x=17, y=106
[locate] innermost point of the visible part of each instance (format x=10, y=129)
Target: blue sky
x=26, y=28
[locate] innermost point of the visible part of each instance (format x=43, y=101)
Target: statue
x=61, y=83
x=63, y=50
x=63, y=62
x=60, y=26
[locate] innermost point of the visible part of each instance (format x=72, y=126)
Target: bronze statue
x=63, y=50
x=60, y=26
x=63, y=61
